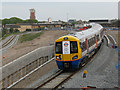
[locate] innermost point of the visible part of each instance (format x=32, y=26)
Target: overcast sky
x=61, y=10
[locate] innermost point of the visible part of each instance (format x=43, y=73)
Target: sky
x=60, y=10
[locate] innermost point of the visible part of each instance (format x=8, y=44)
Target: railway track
x=8, y=42
x=56, y=80
x=60, y=77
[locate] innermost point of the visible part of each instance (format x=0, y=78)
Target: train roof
x=81, y=35
x=69, y=37
x=95, y=29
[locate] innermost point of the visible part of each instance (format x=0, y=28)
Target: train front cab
x=68, y=53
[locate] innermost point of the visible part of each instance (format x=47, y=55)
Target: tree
x=31, y=21
x=16, y=30
x=11, y=30
x=5, y=21
x=28, y=29
x=0, y=21
x=13, y=20
x=4, y=31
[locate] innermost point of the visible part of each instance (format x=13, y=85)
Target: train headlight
x=66, y=38
x=58, y=57
x=75, y=57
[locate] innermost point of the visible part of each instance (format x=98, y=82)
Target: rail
x=51, y=82
x=6, y=43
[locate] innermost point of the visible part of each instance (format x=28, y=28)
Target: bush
x=11, y=30
x=16, y=30
x=28, y=29
x=29, y=37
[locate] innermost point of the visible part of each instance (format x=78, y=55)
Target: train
x=83, y=28
x=73, y=51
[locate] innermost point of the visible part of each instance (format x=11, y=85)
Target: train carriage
x=72, y=51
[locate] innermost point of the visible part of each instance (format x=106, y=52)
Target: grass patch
x=5, y=36
x=29, y=37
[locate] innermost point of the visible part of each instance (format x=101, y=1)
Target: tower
x=49, y=20
x=32, y=13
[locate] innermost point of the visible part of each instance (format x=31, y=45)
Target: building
x=50, y=25
x=32, y=14
x=79, y=25
x=32, y=26
x=24, y=26
x=21, y=26
x=71, y=21
x=50, y=20
x=105, y=23
x=13, y=26
x=100, y=21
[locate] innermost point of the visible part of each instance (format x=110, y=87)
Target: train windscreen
x=58, y=47
x=73, y=47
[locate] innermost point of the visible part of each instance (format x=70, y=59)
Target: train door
x=74, y=50
x=66, y=50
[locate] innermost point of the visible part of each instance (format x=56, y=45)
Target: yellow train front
x=68, y=53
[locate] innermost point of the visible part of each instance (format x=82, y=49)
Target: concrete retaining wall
x=19, y=63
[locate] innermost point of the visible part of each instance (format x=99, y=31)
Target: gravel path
x=101, y=71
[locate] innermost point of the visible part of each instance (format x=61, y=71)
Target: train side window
x=89, y=42
x=83, y=46
x=73, y=47
x=94, y=40
x=58, y=48
x=101, y=34
x=98, y=38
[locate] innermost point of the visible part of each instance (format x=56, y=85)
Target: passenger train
x=72, y=51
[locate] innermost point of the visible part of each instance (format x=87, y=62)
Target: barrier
x=108, y=41
x=19, y=68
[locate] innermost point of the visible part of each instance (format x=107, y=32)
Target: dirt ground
x=47, y=38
